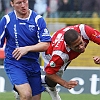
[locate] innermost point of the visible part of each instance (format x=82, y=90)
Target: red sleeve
x=54, y=64
x=93, y=34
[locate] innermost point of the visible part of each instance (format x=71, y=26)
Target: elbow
x=48, y=75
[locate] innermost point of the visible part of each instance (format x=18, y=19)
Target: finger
x=18, y=57
x=73, y=86
x=15, y=55
x=73, y=82
x=15, y=52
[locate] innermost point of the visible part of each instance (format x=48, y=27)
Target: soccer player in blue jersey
x=26, y=35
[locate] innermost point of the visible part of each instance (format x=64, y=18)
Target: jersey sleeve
x=44, y=35
x=93, y=34
x=54, y=64
x=2, y=31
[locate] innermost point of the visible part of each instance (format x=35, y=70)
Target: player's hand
x=70, y=84
x=96, y=59
x=19, y=52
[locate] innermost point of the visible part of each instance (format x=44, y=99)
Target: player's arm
x=2, y=31
x=93, y=34
x=39, y=47
x=52, y=68
x=59, y=80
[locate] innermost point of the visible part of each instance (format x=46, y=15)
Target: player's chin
x=82, y=51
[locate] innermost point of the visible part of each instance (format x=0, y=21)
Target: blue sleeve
x=44, y=34
x=2, y=31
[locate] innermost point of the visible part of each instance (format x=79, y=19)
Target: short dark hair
x=70, y=36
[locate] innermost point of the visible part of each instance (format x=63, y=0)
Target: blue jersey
x=23, y=32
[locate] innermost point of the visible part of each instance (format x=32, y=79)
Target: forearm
x=59, y=80
x=40, y=47
x=56, y=79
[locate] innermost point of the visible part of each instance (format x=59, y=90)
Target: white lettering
x=94, y=81
x=80, y=82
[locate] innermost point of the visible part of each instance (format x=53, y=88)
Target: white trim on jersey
x=23, y=18
x=83, y=33
x=36, y=20
x=63, y=56
x=7, y=21
x=46, y=58
x=2, y=36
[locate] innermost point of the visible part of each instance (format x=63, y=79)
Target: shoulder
x=11, y=14
x=7, y=18
x=35, y=16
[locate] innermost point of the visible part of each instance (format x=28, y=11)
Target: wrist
x=65, y=84
x=27, y=48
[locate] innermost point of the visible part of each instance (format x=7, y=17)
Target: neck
x=23, y=15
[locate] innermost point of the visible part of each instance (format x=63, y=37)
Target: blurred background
x=61, y=13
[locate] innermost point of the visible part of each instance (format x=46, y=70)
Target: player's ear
x=67, y=45
x=11, y=3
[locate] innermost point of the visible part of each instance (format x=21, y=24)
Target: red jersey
x=59, y=55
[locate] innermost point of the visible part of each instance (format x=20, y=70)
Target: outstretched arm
x=59, y=80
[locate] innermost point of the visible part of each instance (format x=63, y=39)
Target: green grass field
x=64, y=96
